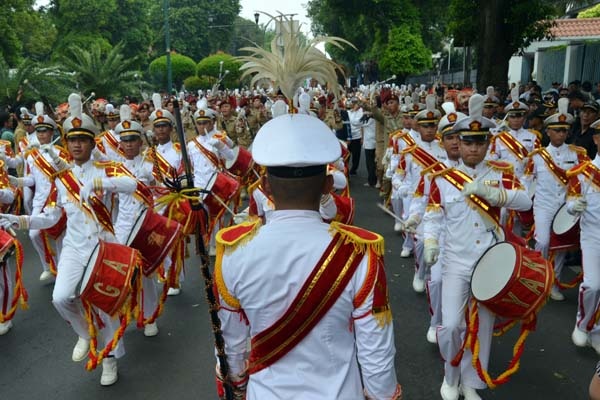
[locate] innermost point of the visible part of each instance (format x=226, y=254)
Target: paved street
x=35, y=356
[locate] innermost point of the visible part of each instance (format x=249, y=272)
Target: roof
x=583, y=27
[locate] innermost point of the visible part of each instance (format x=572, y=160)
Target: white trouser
x=71, y=267
x=543, y=225
x=456, y=293
x=150, y=294
x=38, y=243
x=589, y=289
x=419, y=247
x=396, y=206
x=6, y=286
x=28, y=200
x=434, y=294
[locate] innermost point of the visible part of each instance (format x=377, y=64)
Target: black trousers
x=371, y=167
x=354, y=147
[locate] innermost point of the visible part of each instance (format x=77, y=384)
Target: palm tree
x=106, y=72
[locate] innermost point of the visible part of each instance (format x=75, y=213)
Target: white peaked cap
x=295, y=140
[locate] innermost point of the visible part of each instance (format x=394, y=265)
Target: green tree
x=210, y=67
x=11, y=42
x=182, y=67
x=593, y=12
x=405, y=54
x=107, y=73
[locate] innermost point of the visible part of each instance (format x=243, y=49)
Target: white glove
x=403, y=191
x=228, y=141
x=431, y=251
x=217, y=144
x=96, y=185
x=495, y=196
x=241, y=217
x=97, y=155
x=410, y=225
x=13, y=221
x=579, y=205
x=5, y=224
x=49, y=148
x=34, y=145
x=16, y=182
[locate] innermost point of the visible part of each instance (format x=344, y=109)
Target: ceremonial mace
x=205, y=268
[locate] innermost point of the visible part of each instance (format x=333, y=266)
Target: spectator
x=6, y=128
x=582, y=134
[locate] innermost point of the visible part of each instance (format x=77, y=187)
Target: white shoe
x=150, y=330
x=432, y=335
x=80, y=351
x=469, y=393
x=405, y=253
x=378, y=185
x=579, y=338
x=173, y=291
x=398, y=226
x=46, y=275
x=212, y=251
x=418, y=284
x=556, y=295
x=109, y=371
x=5, y=327
x=448, y=392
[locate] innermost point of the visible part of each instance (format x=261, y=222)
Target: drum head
x=563, y=221
x=136, y=227
x=493, y=271
x=229, y=163
x=211, y=181
x=89, y=269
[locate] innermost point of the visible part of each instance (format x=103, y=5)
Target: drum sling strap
x=142, y=192
x=319, y=293
x=114, y=143
x=208, y=154
x=513, y=145
x=558, y=172
x=162, y=168
x=421, y=156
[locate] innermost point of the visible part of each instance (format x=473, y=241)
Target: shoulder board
x=409, y=149
x=398, y=133
x=536, y=133
x=578, y=169
x=578, y=149
x=177, y=146
x=361, y=238
x=231, y=237
x=252, y=187
x=500, y=165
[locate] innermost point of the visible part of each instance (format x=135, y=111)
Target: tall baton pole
x=206, y=274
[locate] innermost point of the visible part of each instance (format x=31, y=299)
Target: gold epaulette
x=578, y=149
x=177, y=146
x=361, y=238
x=231, y=237
x=536, y=133
x=577, y=169
x=252, y=187
x=500, y=165
x=396, y=133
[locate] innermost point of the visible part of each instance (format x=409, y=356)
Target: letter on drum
x=117, y=266
x=109, y=290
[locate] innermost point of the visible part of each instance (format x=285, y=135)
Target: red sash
x=95, y=207
x=421, y=156
x=42, y=164
x=162, y=167
x=589, y=170
x=558, y=172
x=319, y=293
x=113, y=142
x=208, y=154
x=513, y=145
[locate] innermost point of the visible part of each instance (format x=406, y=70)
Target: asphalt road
x=35, y=356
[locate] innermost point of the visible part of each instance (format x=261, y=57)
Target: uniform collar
x=294, y=216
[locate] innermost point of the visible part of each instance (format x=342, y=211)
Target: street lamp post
x=168, y=47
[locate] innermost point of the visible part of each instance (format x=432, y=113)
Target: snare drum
x=564, y=234
x=223, y=188
x=59, y=228
x=7, y=244
x=345, y=209
x=512, y=281
x=6, y=148
x=106, y=282
x=154, y=236
x=242, y=163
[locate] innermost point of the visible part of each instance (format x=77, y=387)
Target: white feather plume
x=407, y=100
x=75, y=106
x=563, y=106
x=109, y=109
x=125, y=112
x=449, y=107
x=514, y=94
x=304, y=101
x=24, y=112
x=278, y=108
x=476, y=106
x=490, y=91
x=202, y=104
x=156, y=101
x=430, y=102
x=39, y=108
x=287, y=66
x=415, y=98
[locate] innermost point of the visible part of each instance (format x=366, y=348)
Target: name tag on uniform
x=569, y=162
x=494, y=183
x=527, y=140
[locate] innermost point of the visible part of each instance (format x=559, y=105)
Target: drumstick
x=384, y=208
x=221, y=202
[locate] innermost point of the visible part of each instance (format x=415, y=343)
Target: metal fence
x=455, y=76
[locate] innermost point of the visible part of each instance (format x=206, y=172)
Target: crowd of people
x=108, y=189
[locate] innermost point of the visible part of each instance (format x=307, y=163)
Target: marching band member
x=40, y=175
x=257, y=300
x=108, y=141
x=582, y=199
x=75, y=186
x=132, y=206
x=426, y=152
x=547, y=167
x=7, y=196
x=469, y=232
